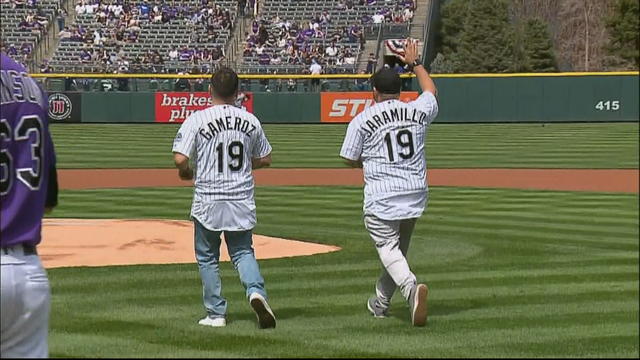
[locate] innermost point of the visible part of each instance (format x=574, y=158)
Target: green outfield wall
x=533, y=99
x=287, y=108
x=118, y=107
x=595, y=98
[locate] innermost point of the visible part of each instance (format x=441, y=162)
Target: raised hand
x=410, y=51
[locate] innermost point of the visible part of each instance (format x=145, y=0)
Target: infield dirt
x=602, y=180
x=107, y=242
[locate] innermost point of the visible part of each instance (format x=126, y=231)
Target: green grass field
x=512, y=273
x=318, y=146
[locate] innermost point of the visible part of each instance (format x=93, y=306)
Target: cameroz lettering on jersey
x=213, y=128
x=394, y=115
x=222, y=140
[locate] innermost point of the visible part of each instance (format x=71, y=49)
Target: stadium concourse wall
x=605, y=97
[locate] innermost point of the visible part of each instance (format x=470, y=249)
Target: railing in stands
x=428, y=35
x=378, y=45
x=259, y=83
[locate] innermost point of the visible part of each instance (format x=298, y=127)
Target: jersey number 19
x=236, y=156
x=404, y=141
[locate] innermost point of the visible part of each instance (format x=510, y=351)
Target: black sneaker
x=266, y=319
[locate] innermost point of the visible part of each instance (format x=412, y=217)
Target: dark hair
x=224, y=82
x=386, y=81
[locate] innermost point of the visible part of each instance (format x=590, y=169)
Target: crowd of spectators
x=35, y=21
x=121, y=23
x=394, y=12
x=197, y=56
x=276, y=41
x=105, y=58
x=28, y=17
x=151, y=61
x=21, y=4
x=22, y=54
x=118, y=12
x=314, y=41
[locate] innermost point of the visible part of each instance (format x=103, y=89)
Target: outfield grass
x=511, y=273
x=448, y=146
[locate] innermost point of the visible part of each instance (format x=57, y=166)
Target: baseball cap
x=386, y=81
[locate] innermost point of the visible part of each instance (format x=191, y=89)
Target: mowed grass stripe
x=560, y=224
x=485, y=230
x=440, y=281
x=479, y=224
x=530, y=284
x=502, y=345
x=577, y=217
x=445, y=310
x=88, y=345
x=524, y=311
x=313, y=146
x=489, y=309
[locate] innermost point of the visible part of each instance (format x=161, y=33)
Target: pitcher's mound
x=81, y=242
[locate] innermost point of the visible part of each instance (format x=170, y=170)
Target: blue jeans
x=239, y=245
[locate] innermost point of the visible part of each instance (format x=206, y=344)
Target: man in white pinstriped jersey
x=387, y=139
x=226, y=143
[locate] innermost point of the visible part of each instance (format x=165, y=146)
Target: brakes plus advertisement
x=342, y=107
x=176, y=107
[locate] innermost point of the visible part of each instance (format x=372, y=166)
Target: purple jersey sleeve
x=26, y=155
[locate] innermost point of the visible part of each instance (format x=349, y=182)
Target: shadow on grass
x=401, y=311
x=398, y=311
x=293, y=312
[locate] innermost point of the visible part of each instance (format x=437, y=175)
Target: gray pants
x=392, y=238
x=25, y=297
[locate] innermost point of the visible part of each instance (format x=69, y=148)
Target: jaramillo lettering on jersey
x=389, y=138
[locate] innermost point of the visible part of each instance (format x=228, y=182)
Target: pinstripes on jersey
x=221, y=141
x=389, y=138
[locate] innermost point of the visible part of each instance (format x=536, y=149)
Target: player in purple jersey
x=28, y=188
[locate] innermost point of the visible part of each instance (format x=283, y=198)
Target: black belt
x=28, y=249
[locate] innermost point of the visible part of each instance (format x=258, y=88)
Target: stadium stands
x=288, y=36
x=25, y=23
x=173, y=36
x=146, y=37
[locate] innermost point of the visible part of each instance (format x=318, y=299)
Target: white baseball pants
x=392, y=238
x=25, y=300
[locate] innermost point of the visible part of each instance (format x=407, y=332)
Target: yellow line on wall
x=327, y=76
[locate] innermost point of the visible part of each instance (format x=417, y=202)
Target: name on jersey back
x=213, y=128
x=393, y=115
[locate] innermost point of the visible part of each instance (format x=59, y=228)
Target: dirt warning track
x=602, y=180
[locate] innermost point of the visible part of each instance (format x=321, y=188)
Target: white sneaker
x=215, y=321
x=266, y=319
